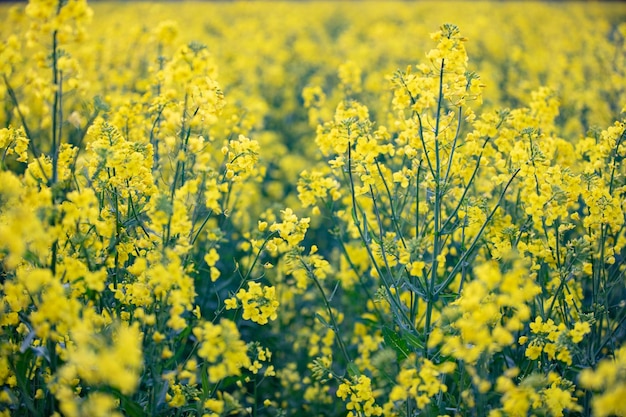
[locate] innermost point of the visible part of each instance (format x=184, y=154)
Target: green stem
x=421, y=127
x=396, y=306
x=453, y=149
x=56, y=139
x=118, y=227
x=355, y=215
x=31, y=141
x=258, y=255
x=354, y=268
x=342, y=346
x=474, y=243
x=439, y=102
x=614, y=158
x=154, y=140
x=436, y=219
x=394, y=217
x=417, y=200
x=394, y=303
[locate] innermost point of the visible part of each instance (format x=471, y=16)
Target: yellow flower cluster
x=222, y=348
x=67, y=20
x=14, y=141
x=291, y=230
x=103, y=236
x=118, y=165
x=417, y=384
x=535, y=394
x=488, y=313
x=89, y=360
x=433, y=201
x=361, y=399
x=242, y=155
x=553, y=340
x=259, y=303
x=608, y=378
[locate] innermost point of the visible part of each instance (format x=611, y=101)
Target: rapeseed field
x=312, y=209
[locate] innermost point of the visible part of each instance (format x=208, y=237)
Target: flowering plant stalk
x=106, y=241
x=462, y=228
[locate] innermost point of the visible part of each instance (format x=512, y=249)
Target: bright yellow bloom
x=362, y=401
x=223, y=349
x=609, y=379
x=259, y=303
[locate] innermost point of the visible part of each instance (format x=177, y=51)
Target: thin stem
x=354, y=268
x=355, y=215
x=456, y=137
x=417, y=201
x=464, y=257
x=394, y=303
x=467, y=187
x=153, y=140
x=439, y=101
x=56, y=138
x=613, y=164
x=421, y=132
x=436, y=219
x=421, y=127
x=399, y=310
x=258, y=255
x=342, y=346
x=394, y=218
x=31, y=141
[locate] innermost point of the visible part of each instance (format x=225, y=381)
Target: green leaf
x=181, y=341
x=397, y=343
x=413, y=340
x=130, y=407
x=353, y=370
x=366, y=235
x=206, y=390
x=323, y=321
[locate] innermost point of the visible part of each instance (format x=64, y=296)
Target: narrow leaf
x=397, y=343
x=353, y=370
x=323, y=321
x=413, y=340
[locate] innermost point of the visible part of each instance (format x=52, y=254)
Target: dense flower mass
x=308, y=209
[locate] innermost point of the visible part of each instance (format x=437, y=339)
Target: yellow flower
x=291, y=229
x=166, y=32
x=609, y=380
x=176, y=398
x=95, y=359
x=259, y=303
x=243, y=154
x=211, y=257
x=214, y=405
x=315, y=187
x=581, y=328
x=231, y=303
x=222, y=348
x=350, y=77
x=533, y=351
x=417, y=267
x=362, y=401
